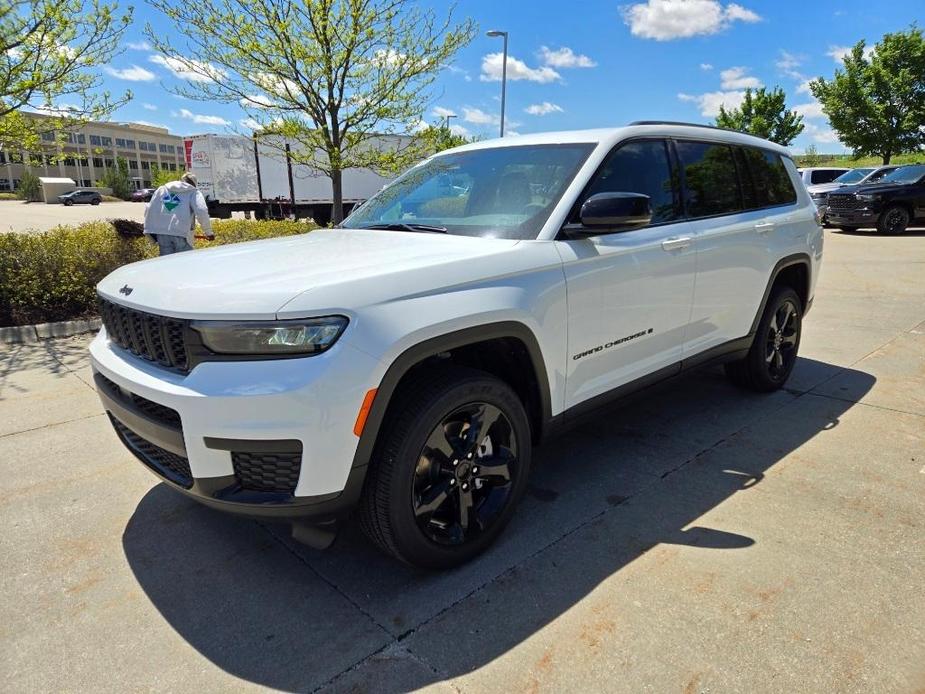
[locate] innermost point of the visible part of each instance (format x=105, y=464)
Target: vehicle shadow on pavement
x=635, y=477
x=920, y=231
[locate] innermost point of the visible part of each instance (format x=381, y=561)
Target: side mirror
x=605, y=212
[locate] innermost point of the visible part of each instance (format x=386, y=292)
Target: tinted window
x=852, y=176
x=769, y=177
x=879, y=175
x=640, y=167
x=710, y=173
x=824, y=176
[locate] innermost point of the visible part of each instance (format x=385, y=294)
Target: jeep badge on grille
x=126, y=290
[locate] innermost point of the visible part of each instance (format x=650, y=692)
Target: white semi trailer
x=237, y=173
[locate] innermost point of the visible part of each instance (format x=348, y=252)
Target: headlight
x=867, y=197
x=305, y=336
x=817, y=196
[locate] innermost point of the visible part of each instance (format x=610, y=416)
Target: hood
x=873, y=188
x=255, y=280
x=823, y=188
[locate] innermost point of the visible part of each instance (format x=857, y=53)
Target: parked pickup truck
x=890, y=205
x=404, y=365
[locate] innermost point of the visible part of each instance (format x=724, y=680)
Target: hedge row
x=52, y=276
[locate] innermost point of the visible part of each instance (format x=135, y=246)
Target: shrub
x=118, y=179
x=52, y=276
x=30, y=188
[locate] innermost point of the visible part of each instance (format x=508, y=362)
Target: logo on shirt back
x=171, y=201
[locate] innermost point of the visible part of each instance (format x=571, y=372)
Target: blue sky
x=591, y=63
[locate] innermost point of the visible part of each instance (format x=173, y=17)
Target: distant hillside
x=849, y=161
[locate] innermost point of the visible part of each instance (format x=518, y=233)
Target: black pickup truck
x=890, y=205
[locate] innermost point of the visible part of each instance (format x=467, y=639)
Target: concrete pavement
x=37, y=216
x=695, y=538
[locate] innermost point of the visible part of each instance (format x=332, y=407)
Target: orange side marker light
x=364, y=411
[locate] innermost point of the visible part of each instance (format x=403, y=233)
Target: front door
x=629, y=292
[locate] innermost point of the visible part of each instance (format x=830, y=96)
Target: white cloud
x=493, y=63
x=736, y=78
x=564, y=57
x=457, y=129
x=788, y=63
x=511, y=133
x=250, y=124
x=706, y=66
x=839, y=53
x=202, y=119
x=822, y=135
x=442, y=112
x=543, y=109
x=710, y=102
x=664, y=20
x=132, y=74
x=811, y=109
x=256, y=101
x=803, y=87
x=149, y=107
x=139, y=46
x=479, y=117
x=57, y=110
x=189, y=69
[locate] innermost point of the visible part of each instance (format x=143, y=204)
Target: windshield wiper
x=404, y=226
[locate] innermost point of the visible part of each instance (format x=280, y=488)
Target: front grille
x=155, y=338
x=267, y=472
x=842, y=203
x=168, y=465
x=156, y=411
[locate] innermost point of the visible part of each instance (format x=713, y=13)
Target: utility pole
x=495, y=34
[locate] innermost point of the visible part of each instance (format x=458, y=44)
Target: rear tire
x=893, y=220
x=68, y=203
x=96, y=201
x=774, y=349
x=418, y=504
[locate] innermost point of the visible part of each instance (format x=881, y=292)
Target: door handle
x=676, y=243
x=764, y=227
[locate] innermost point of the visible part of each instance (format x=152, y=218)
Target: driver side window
x=642, y=167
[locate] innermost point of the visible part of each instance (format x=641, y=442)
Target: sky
x=585, y=63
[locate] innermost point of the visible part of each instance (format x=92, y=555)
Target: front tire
x=450, y=467
x=774, y=350
x=893, y=220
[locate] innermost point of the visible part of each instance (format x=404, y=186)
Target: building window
x=4, y=183
x=130, y=144
x=145, y=166
x=15, y=158
x=133, y=165
x=95, y=140
x=162, y=148
x=16, y=183
x=107, y=142
x=146, y=184
x=69, y=161
x=48, y=136
x=143, y=146
x=2, y=157
x=109, y=163
x=84, y=162
x=81, y=139
x=152, y=147
x=50, y=160
x=172, y=166
x=120, y=142
x=86, y=183
x=98, y=162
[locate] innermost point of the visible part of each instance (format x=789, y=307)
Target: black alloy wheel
x=781, y=341
x=463, y=478
x=450, y=464
x=894, y=220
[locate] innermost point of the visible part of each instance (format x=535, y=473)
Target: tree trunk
x=887, y=155
x=337, y=188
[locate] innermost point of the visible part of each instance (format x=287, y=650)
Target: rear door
x=740, y=202
x=629, y=292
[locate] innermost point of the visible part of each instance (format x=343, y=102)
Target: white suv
x=404, y=364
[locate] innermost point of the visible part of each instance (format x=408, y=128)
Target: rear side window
x=640, y=167
x=824, y=176
x=769, y=178
x=710, y=174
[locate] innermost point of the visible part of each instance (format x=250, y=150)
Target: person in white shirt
x=170, y=218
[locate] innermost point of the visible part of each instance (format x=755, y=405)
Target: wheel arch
x=491, y=340
x=793, y=271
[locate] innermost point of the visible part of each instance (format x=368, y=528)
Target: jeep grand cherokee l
x=891, y=205
x=404, y=364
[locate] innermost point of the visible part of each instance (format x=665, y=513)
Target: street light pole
x=447, y=121
x=495, y=34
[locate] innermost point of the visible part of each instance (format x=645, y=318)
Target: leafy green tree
x=436, y=138
x=118, y=178
x=811, y=157
x=763, y=113
x=327, y=74
x=30, y=188
x=876, y=104
x=50, y=57
x=161, y=176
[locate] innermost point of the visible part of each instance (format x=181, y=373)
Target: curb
x=31, y=334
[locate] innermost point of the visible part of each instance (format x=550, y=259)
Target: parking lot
x=696, y=538
x=37, y=216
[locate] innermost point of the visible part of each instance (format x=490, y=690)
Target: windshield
x=853, y=176
x=502, y=192
x=905, y=174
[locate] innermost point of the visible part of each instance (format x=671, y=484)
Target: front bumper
x=271, y=439
x=859, y=217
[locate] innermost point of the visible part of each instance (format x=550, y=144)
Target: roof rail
x=689, y=125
